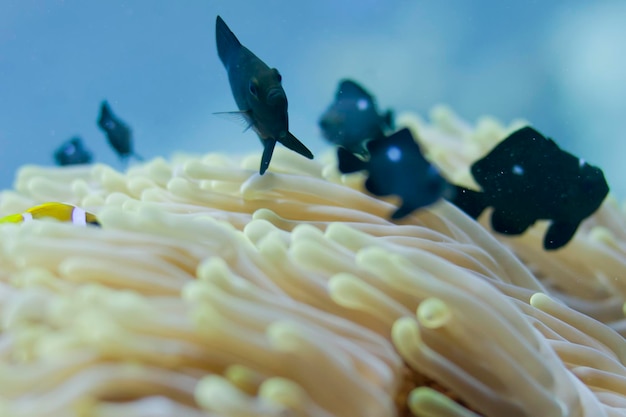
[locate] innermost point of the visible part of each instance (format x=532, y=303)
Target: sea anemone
x=211, y=290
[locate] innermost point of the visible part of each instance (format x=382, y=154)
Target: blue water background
x=560, y=64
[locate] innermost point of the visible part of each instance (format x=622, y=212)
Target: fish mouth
x=276, y=96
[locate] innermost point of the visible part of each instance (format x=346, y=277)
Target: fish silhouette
x=526, y=178
x=353, y=118
x=118, y=133
x=258, y=93
x=72, y=152
x=396, y=166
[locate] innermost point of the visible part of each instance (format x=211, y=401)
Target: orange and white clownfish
x=60, y=211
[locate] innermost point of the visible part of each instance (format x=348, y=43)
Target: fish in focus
x=118, y=133
x=258, y=93
x=526, y=178
x=396, y=166
x=353, y=118
x=59, y=211
x=72, y=152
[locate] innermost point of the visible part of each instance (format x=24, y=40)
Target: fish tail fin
x=291, y=142
x=226, y=40
x=348, y=162
x=471, y=202
x=388, y=119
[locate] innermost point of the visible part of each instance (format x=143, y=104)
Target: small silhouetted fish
x=396, y=166
x=72, y=152
x=258, y=93
x=526, y=178
x=353, y=118
x=118, y=133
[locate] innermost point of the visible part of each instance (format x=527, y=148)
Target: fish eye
x=278, y=76
x=253, y=89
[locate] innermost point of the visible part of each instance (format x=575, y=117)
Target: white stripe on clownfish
x=79, y=216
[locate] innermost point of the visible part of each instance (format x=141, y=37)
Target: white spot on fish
x=362, y=104
x=581, y=162
x=518, y=170
x=394, y=154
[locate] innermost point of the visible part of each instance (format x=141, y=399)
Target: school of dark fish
x=525, y=178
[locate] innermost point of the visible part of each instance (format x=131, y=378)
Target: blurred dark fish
x=72, y=152
x=396, y=166
x=353, y=118
x=118, y=133
x=526, y=178
x=258, y=93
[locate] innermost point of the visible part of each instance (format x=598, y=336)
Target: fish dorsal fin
x=349, y=88
x=403, y=139
x=226, y=41
x=105, y=114
x=388, y=119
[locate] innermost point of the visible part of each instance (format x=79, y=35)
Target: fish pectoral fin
x=268, y=150
x=503, y=222
x=291, y=142
x=241, y=117
x=404, y=210
x=416, y=201
x=374, y=186
x=559, y=234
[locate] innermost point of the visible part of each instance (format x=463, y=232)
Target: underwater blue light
x=362, y=104
x=518, y=170
x=394, y=154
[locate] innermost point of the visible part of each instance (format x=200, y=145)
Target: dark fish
x=259, y=95
x=526, y=178
x=353, y=118
x=118, y=133
x=72, y=152
x=396, y=166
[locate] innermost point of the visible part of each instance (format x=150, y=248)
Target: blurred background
x=561, y=64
